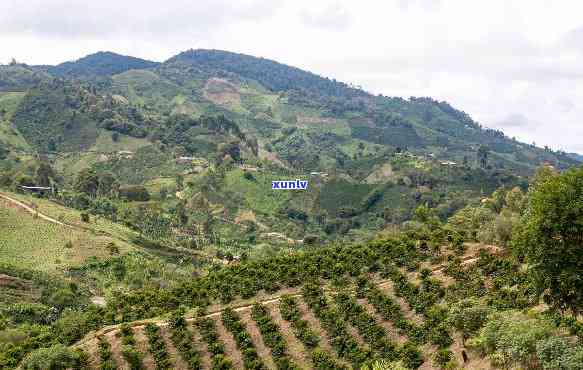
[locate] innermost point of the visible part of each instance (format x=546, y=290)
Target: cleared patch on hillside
x=223, y=93
x=380, y=175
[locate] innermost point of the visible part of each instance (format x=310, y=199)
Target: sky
x=512, y=65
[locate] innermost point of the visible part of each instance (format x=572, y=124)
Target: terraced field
x=380, y=315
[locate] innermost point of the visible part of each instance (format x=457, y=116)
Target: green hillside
x=100, y=64
x=239, y=113
x=139, y=227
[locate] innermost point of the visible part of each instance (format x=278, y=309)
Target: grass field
x=257, y=194
x=97, y=225
x=29, y=242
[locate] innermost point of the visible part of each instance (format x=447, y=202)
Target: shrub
x=468, y=316
x=272, y=336
x=290, y=312
x=157, y=346
x=105, y=354
x=85, y=217
x=323, y=361
x=71, y=327
x=182, y=339
x=134, y=193
x=248, y=176
x=511, y=338
x=56, y=357
x=132, y=356
x=442, y=358
x=233, y=324
x=128, y=350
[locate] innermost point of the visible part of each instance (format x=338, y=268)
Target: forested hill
x=267, y=97
x=217, y=127
x=99, y=65
x=421, y=123
x=271, y=74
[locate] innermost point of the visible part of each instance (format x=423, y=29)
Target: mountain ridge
x=229, y=124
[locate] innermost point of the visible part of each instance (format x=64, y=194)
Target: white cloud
x=333, y=17
x=495, y=59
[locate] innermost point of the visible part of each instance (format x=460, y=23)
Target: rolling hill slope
x=244, y=114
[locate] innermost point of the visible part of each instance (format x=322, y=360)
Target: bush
x=511, y=338
x=442, y=358
x=134, y=193
x=105, y=354
x=157, y=346
x=71, y=327
x=85, y=217
x=248, y=176
x=132, y=356
x=56, y=357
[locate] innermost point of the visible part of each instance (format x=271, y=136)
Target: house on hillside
x=125, y=154
x=319, y=174
x=246, y=167
x=41, y=190
x=448, y=163
x=185, y=160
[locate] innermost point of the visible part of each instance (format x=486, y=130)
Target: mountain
x=217, y=127
x=99, y=65
x=20, y=77
x=271, y=74
x=153, y=200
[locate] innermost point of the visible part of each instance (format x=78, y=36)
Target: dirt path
x=115, y=344
x=143, y=346
x=32, y=210
x=319, y=330
x=199, y=344
x=175, y=358
x=392, y=332
x=475, y=362
x=263, y=351
x=230, y=345
x=295, y=349
x=387, y=288
x=93, y=352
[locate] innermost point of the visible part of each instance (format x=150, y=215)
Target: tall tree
x=483, y=152
x=550, y=238
x=44, y=174
x=87, y=182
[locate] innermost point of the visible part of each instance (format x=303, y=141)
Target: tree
x=87, y=182
x=482, y=156
x=44, y=173
x=134, y=193
x=550, y=237
x=108, y=185
x=468, y=316
x=515, y=200
x=179, y=182
x=3, y=151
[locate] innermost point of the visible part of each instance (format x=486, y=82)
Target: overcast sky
x=513, y=65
